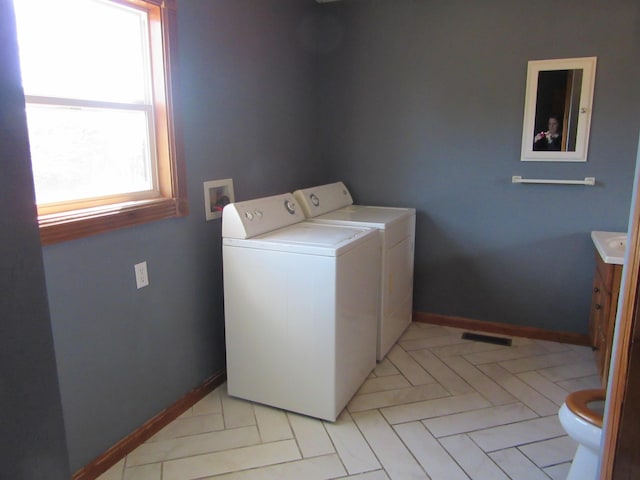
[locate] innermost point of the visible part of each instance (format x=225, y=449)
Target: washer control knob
x=314, y=199
x=248, y=215
x=290, y=206
x=258, y=213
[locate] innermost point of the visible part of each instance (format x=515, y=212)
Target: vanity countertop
x=610, y=245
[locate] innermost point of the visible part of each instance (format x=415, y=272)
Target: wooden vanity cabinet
x=604, y=305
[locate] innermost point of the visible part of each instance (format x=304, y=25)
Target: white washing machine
x=301, y=306
x=332, y=204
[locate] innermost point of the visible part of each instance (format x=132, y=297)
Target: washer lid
x=366, y=216
x=322, y=199
x=309, y=238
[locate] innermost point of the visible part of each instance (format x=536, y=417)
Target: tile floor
x=438, y=407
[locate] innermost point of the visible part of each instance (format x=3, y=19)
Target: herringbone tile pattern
x=437, y=407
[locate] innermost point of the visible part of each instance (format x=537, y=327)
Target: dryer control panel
x=323, y=199
x=255, y=217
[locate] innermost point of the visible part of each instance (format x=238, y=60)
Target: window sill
x=61, y=227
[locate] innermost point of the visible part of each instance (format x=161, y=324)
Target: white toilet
x=581, y=417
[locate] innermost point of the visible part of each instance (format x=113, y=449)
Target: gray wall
x=247, y=103
x=32, y=429
x=424, y=108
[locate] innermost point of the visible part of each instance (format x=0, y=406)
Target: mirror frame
x=534, y=67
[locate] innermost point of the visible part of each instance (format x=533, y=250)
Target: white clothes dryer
x=301, y=307
x=332, y=204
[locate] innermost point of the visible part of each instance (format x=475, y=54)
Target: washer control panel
x=255, y=217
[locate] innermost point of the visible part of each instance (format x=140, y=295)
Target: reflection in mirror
x=557, y=105
x=558, y=109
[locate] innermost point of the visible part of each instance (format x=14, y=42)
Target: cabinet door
x=597, y=321
x=603, y=352
x=609, y=322
x=595, y=314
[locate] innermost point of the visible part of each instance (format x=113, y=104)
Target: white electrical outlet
x=142, y=278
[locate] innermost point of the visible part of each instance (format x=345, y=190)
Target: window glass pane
x=85, y=49
x=80, y=153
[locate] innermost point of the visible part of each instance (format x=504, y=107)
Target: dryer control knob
x=249, y=216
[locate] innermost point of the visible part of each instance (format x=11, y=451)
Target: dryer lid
x=322, y=199
x=366, y=216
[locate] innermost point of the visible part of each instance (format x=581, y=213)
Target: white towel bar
x=589, y=181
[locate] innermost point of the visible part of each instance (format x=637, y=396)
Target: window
x=105, y=151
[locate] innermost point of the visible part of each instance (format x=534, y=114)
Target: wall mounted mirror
x=557, y=109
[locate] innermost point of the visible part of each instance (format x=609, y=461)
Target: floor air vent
x=476, y=337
